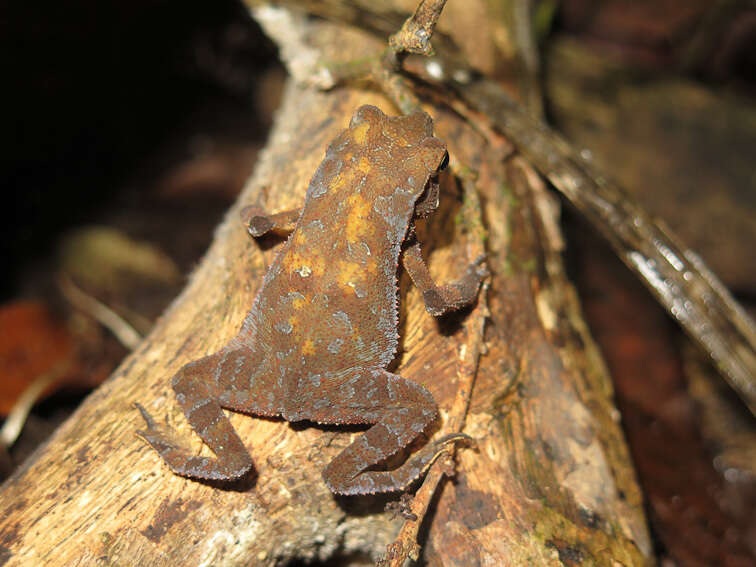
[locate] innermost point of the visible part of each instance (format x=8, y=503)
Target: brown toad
x=323, y=327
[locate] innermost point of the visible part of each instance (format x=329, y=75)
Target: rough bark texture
x=550, y=484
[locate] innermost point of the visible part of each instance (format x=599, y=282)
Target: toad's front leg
x=440, y=299
x=260, y=223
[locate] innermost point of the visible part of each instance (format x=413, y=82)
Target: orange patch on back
x=360, y=133
x=296, y=262
x=318, y=264
x=338, y=182
x=308, y=347
x=356, y=221
x=364, y=165
x=349, y=273
x=303, y=263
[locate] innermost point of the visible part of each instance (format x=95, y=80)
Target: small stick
x=415, y=34
x=385, y=69
x=125, y=333
x=16, y=419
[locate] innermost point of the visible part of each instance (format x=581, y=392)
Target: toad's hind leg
x=203, y=387
x=399, y=409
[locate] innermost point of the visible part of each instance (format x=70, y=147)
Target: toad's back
x=329, y=300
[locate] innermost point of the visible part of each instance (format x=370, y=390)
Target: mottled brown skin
x=323, y=328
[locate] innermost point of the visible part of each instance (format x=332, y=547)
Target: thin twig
x=526, y=52
x=385, y=69
x=125, y=333
x=16, y=419
x=415, y=34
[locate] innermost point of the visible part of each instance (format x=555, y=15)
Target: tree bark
x=550, y=482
